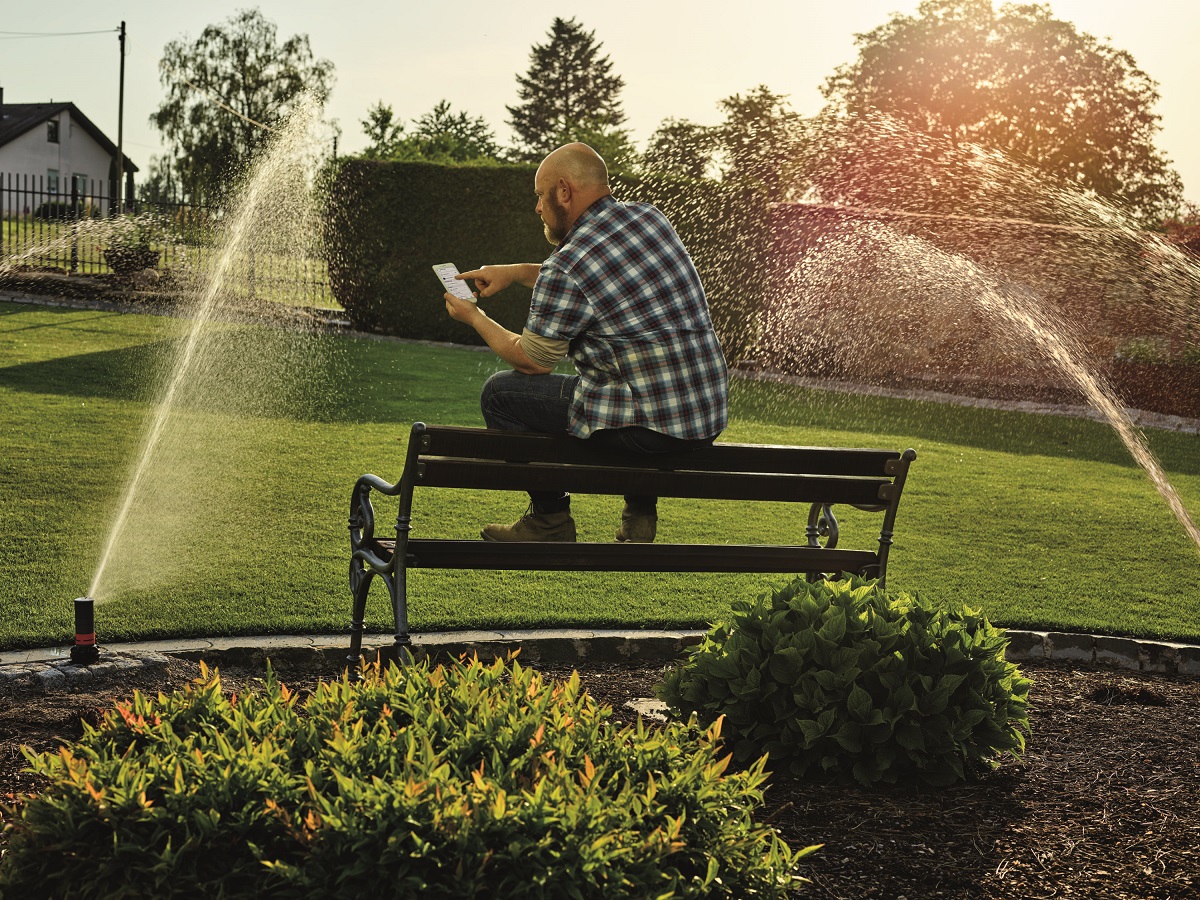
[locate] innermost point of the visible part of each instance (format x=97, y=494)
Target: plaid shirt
x=622, y=290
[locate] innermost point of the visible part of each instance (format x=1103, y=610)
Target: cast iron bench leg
x=360, y=585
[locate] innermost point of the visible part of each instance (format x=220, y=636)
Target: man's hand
x=461, y=310
x=505, y=344
x=491, y=280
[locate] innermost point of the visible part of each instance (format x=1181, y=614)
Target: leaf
x=849, y=736
x=786, y=665
x=910, y=736
x=833, y=629
x=810, y=730
x=859, y=704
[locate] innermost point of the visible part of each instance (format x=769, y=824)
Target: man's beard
x=558, y=216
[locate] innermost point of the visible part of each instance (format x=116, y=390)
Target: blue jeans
x=512, y=401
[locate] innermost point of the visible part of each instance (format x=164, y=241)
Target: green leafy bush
x=64, y=209
x=839, y=678
x=458, y=781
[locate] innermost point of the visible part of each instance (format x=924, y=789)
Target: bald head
x=567, y=182
x=580, y=165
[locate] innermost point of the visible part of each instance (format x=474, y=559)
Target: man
x=621, y=297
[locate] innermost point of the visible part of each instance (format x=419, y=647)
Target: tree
x=160, y=184
x=1020, y=81
x=680, y=149
x=439, y=135
x=570, y=94
x=223, y=88
x=383, y=131
x=759, y=146
x=760, y=143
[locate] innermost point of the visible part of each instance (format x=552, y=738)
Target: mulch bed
x=1105, y=802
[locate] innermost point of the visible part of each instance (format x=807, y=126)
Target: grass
x=1042, y=521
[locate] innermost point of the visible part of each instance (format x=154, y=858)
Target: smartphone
x=446, y=272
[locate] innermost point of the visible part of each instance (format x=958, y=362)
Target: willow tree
x=223, y=88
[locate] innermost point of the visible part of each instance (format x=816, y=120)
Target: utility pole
x=118, y=193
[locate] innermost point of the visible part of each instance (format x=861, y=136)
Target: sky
x=678, y=57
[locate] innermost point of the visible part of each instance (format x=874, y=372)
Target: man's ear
x=564, y=191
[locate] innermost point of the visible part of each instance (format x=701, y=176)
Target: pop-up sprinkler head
x=85, y=650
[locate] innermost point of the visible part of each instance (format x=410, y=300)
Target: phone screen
x=446, y=272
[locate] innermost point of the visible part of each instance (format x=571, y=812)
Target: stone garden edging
x=50, y=670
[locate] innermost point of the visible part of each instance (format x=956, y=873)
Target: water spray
x=84, y=651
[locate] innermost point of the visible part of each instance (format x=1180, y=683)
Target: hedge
x=390, y=221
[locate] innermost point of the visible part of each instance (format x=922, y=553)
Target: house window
x=52, y=181
x=79, y=184
x=52, y=131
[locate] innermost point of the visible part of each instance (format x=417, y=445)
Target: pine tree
x=570, y=94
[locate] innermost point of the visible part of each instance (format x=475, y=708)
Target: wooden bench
x=442, y=456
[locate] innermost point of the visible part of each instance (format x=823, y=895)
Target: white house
x=48, y=149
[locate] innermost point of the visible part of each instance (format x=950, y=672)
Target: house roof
x=18, y=118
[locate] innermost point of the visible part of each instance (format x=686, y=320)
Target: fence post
x=74, y=224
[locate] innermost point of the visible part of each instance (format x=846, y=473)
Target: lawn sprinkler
x=84, y=651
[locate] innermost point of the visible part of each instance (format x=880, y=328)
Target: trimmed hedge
x=390, y=221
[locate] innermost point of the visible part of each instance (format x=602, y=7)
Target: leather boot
x=534, y=526
x=636, y=527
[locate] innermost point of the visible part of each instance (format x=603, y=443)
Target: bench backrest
x=447, y=456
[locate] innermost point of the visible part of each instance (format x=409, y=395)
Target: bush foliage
x=459, y=781
x=389, y=222
x=842, y=679
x=64, y=209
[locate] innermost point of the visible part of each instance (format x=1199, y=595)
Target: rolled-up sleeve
x=546, y=352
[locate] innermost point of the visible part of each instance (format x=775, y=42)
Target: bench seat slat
x=614, y=557
x=514, y=446
x=494, y=475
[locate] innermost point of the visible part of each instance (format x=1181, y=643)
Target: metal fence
x=47, y=225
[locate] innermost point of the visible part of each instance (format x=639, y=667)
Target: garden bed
x=1104, y=804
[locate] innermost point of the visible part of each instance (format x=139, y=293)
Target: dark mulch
x=1104, y=804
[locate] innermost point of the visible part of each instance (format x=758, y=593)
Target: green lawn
x=1042, y=521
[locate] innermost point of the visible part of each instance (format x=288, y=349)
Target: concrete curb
x=1154, y=657
x=50, y=669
